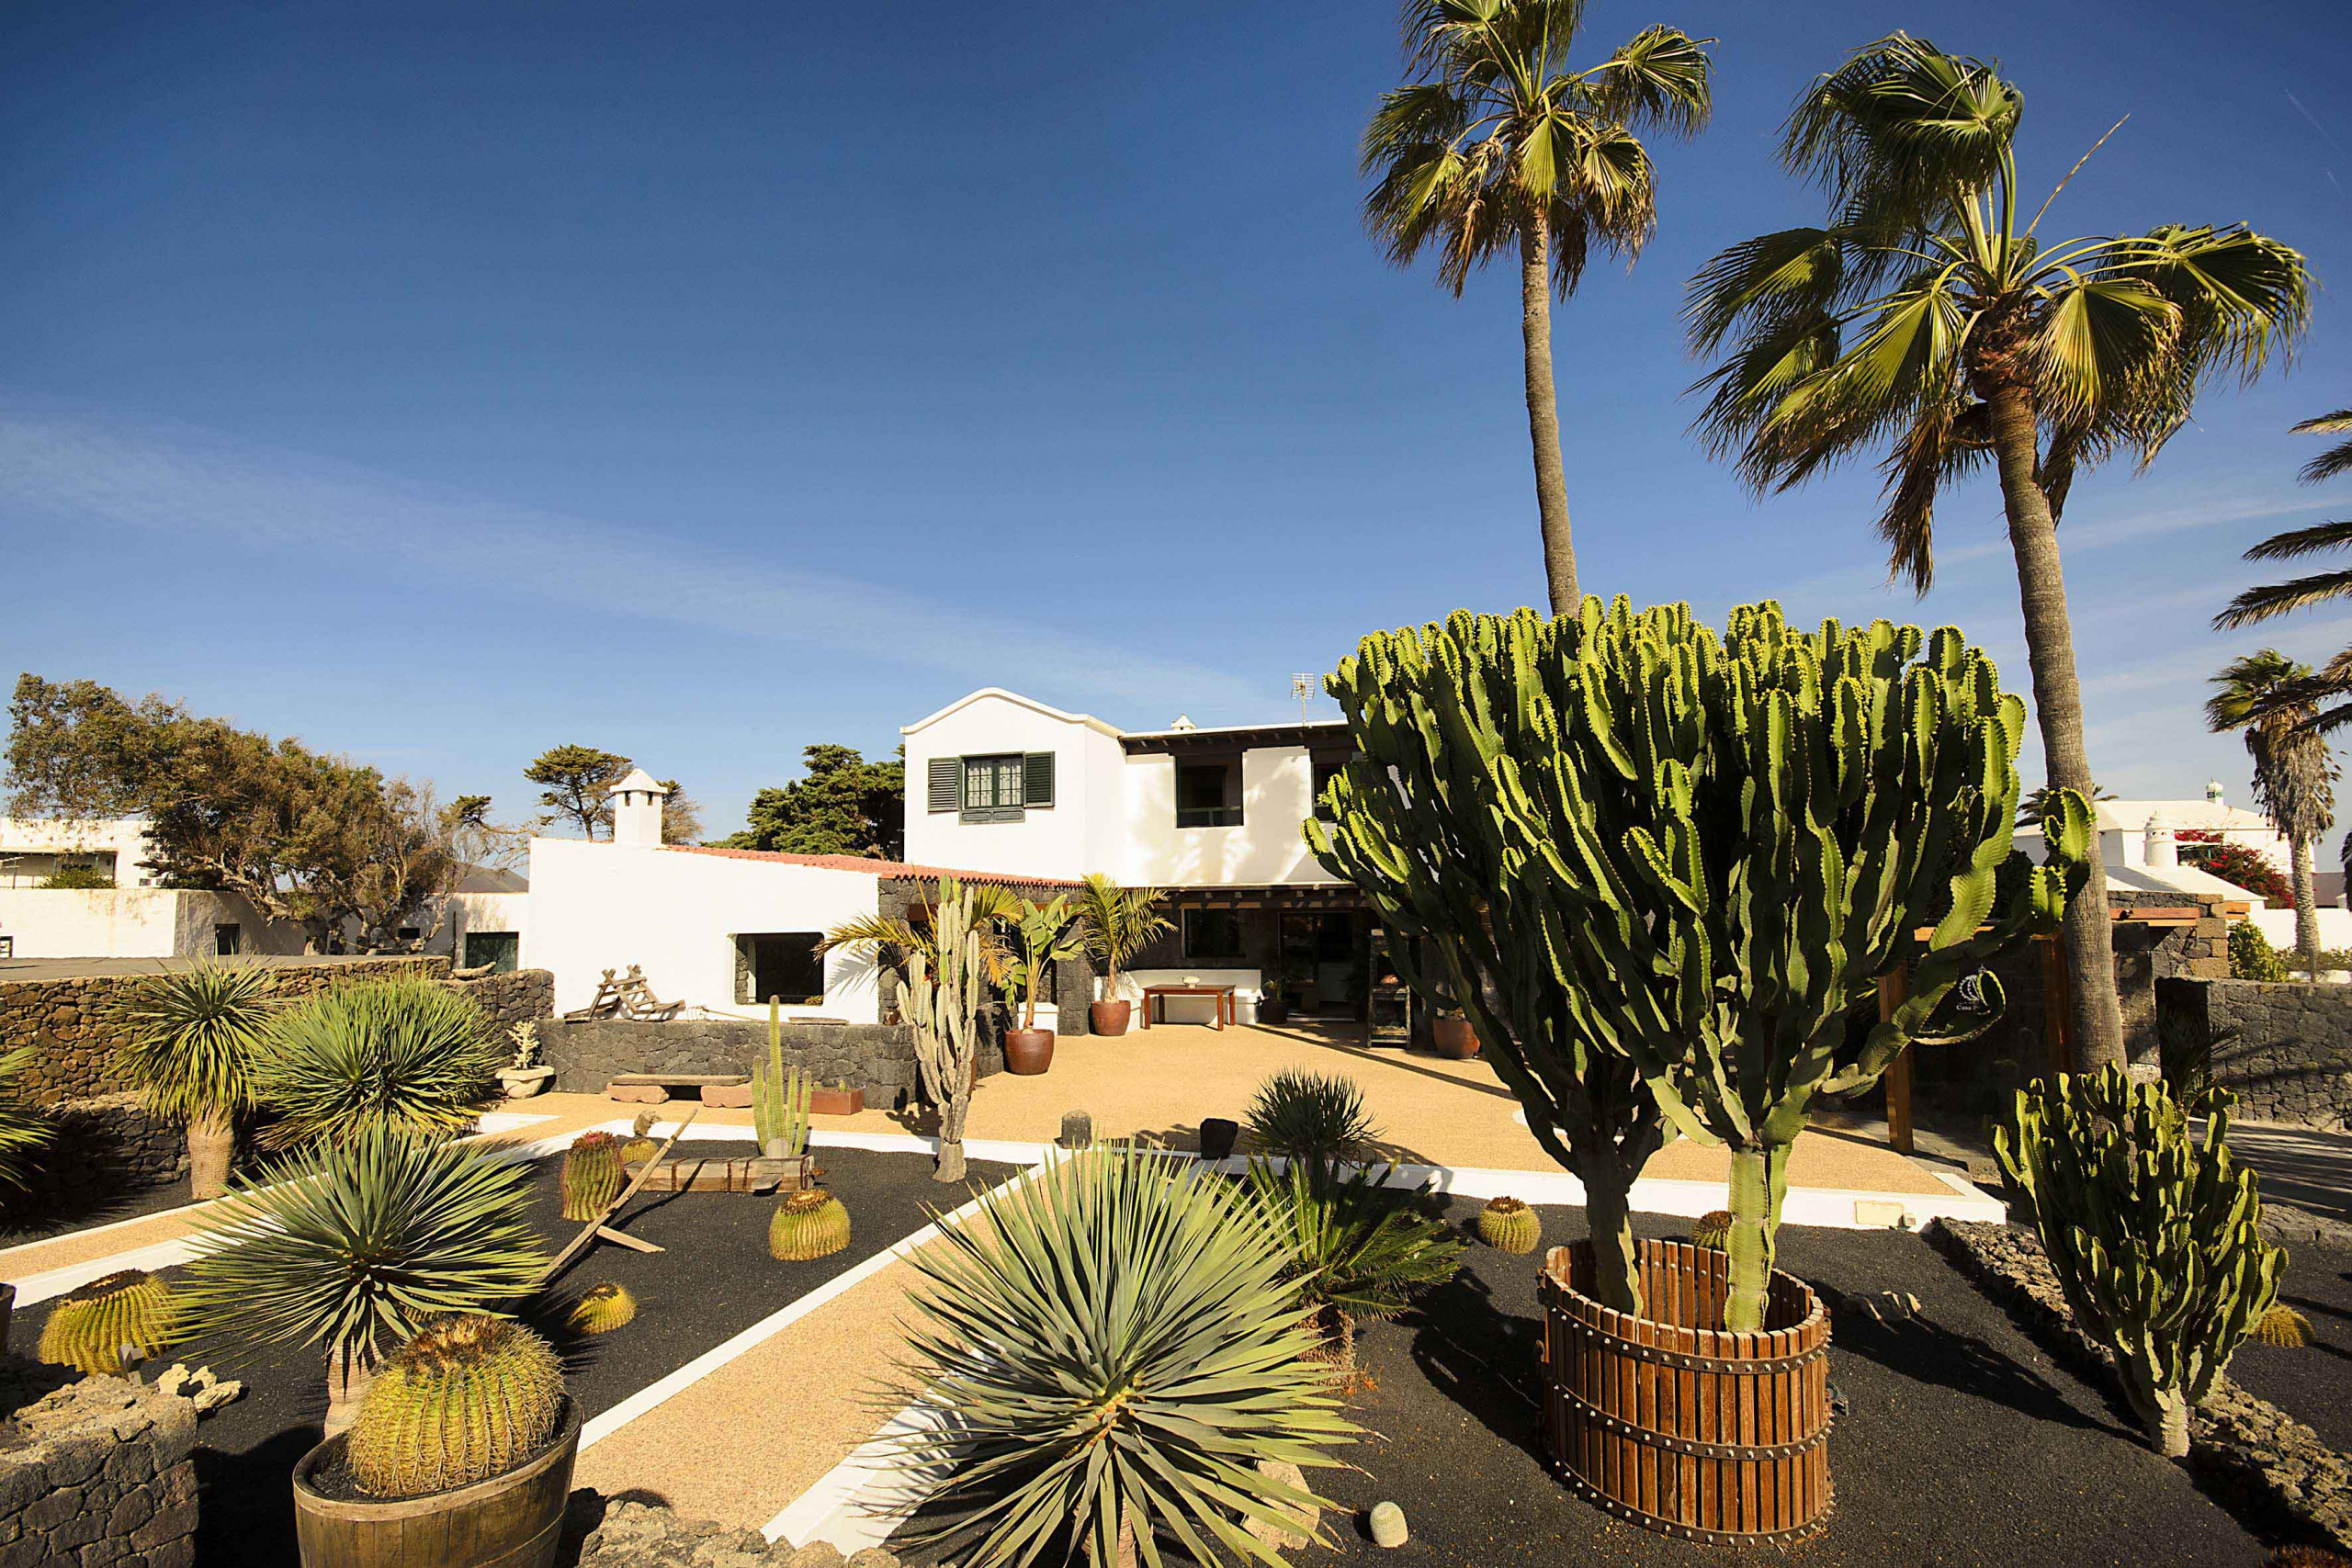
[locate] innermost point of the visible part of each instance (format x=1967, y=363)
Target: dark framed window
x=997, y=787
x=1211, y=934
x=780, y=967
x=226, y=939
x=503, y=951
x=1325, y=767
x=1208, y=794
x=8, y=947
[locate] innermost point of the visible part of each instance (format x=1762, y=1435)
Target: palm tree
x=1924, y=318
x=2274, y=599
x=2267, y=695
x=1116, y=924
x=1496, y=144
x=2338, y=459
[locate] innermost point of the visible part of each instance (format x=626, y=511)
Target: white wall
x=2278, y=926
x=676, y=914
x=135, y=923
x=122, y=841
x=1277, y=796
x=1078, y=833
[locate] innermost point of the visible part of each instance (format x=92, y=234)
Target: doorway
x=1323, y=966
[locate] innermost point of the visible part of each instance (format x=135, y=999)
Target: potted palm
x=1046, y=937
x=466, y=1437
x=190, y=1039
x=356, y=1250
x=1116, y=924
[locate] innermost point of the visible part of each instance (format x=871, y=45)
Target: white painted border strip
x=768, y=1327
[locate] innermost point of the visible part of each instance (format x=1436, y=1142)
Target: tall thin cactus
x=780, y=1098
x=944, y=1008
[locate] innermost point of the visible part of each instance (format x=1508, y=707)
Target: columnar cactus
x=2155, y=1237
x=109, y=1324
x=809, y=1223
x=1509, y=1226
x=942, y=1001
x=470, y=1397
x=592, y=1175
x=601, y=1308
x=780, y=1098
x=1641, y=851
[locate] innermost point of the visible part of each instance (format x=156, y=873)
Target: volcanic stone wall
x=98, y=1473
x=2292, y=1058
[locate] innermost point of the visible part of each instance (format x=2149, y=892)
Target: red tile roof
x=873, y=867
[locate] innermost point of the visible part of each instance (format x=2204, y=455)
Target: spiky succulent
x=1509, y=1226
x=1352, y=1246
x=1309, y=1115
x=592, y=1175
x=471, y=1397
x=809, y=1223
x=401, y=1052
x=1116, y=1340
x=358, y=1246
x=2284, y=1326
x=1712, y=1229
x=601, y=1308
x=110, y=1325
x=24, y=1127
x=190, y=1038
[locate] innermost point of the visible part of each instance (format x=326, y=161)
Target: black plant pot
x=1216, y=1138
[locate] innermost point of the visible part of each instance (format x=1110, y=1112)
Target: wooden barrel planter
x=1674, y=1424
x=515, y=1520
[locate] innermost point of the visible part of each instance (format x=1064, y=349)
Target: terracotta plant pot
x=513, y=1520
x=1454, y=1037
x=1108, y=1018
x=1028, y=1052
x=1217, y=1135
x=836, y=1101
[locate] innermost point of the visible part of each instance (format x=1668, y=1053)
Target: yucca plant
x=357, y=1247
x=1310, y=1115
x=24, y=1127
x=1357, y=1252
x=394, y=1052
x=1115, y=1346
x=189, y=1037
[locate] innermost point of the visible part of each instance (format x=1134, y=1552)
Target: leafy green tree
x=574, y=782
x=2267, y=696
x=1928, y=318
x=1496, y=145
x=842, y=804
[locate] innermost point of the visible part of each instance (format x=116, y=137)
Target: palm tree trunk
x=2058, y=707
x=2306, y=908
x=1543, y=416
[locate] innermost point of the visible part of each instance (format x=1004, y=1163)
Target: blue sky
x=439, y=383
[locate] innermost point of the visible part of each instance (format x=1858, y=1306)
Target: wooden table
x=1223, y=995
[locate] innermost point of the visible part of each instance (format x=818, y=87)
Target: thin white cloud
x=68, y=465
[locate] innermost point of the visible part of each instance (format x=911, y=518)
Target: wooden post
x=1893, y=987
x=2057, y=1006
x=598, y=1227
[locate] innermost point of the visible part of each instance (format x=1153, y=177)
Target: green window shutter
x=946, y=783
x=1039, y=784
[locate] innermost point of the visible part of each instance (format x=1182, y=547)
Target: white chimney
x=1183, y=721
x=637, y=810
x=2213, y=791
x=2160, y=849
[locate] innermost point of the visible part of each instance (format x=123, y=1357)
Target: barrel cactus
x=2155, y=1237
x=1509, y=1226
x=470, y=1397
x=2284, y=1326
x=601, y=1308
x=1712, y=1229
x=110, y=1325
x=809, y=1223
x=1639, y=850
x=592, y=1175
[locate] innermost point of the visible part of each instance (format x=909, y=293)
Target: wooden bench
x=653, y=1089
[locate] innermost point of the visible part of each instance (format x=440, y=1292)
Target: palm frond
x=24, y=1127
x=2295, y=542
x=2242, y=296
x=1661, y=77
x=1897, y=130
x=1355, y=1246
x=2275, y=599
x=2099, y=339
x=2338, y=459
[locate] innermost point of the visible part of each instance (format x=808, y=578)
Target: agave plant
x=24, y=1127
x=1310, y=1115
x=394, y=1052
x=189, y=1038
x=356, y=1250
x=1115, y=1346
x=1358, y=1252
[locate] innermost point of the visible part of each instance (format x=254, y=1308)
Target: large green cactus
x=2155, y=1237
x=1684, y=858
x=942, y=1004
x=470, y=1397
x=779, y=1098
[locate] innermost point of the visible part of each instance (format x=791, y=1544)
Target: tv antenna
x=1302, y=687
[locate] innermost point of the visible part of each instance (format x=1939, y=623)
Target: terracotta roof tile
x=873, y=867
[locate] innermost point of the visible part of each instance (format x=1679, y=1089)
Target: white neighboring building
x=33, y=850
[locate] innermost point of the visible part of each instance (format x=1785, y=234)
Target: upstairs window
x=997, y=787
x=1208, y=794
x=1325, y=767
